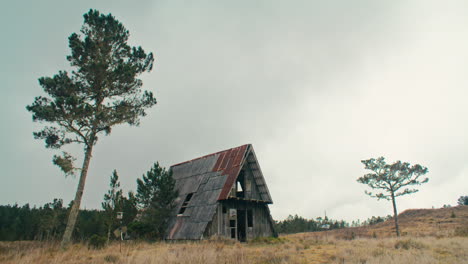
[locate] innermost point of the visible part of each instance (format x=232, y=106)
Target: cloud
x=315, y=87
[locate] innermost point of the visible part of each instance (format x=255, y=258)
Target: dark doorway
x=241, y=226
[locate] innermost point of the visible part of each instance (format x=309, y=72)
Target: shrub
x=409, y=244
x=348, y=235
x=111, y=258
x=268, y=240
x=461, y=231
x=97, y=242
x=463, y=200
x=221, y=240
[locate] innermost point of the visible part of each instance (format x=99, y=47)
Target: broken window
x=232, y=212
x=232, y=226
x=249, y=218
x=240, y=184
x=239, y=187
x=185, y=203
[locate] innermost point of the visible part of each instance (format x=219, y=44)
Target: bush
x=461, y=231
x=111, y=258
x=97, y=242
x=268, y=240
x=409, y=244
x=453, y=215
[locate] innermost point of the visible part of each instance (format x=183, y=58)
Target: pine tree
x=156, y=195
x=391, y=178
x=102, y=91
x=113, y=203
x=463, y=200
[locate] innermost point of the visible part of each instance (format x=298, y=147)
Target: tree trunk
x=77, y=201
x=395, y=215
x=108, y=233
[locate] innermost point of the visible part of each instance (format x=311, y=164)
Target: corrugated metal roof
x=210, y=179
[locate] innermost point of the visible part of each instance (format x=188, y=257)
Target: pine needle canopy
x=101, y=91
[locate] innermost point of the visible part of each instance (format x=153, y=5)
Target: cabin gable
x=221, y=194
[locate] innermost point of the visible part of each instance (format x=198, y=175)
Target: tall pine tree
x=102, y=91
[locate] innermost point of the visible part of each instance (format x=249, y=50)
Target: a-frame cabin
x=222, y=194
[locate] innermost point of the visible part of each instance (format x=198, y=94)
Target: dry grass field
x=429, y=236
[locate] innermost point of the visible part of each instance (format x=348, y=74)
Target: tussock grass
x=430, y=236
x=302, y=248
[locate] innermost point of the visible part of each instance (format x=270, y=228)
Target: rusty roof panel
x=236, y=157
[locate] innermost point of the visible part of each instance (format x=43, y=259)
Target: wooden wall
x=227, y=211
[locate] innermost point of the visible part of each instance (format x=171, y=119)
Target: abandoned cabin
x=222, y=194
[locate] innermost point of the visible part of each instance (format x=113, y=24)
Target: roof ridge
x=208, y=155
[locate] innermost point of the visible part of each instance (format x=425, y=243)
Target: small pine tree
x=130, y=208
x=155, y=196
x=113, y=203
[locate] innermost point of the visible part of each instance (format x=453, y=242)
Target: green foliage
x=130, y=209
x=155, y=196
x=101, y=91
x=391, y=177
x=139, y=229
x=47, y=223
x=96, y=242
x=65, y=163
x=297, y=224
x=113, y=203
x=113, y=198
x=375, y=220
x=463, y=200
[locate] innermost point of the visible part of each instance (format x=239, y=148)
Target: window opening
x=185, y=203
x=232, y=226
x=249, y=218
x=240, y=185
x=233, y=232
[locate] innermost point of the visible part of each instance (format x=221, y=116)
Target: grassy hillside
x=443, y=222
x=430, y=236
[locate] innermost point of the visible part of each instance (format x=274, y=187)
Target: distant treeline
x=297, y=224
x=48, y=222
x=152, y=202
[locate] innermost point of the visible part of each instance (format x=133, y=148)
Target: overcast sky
x=315, y=86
